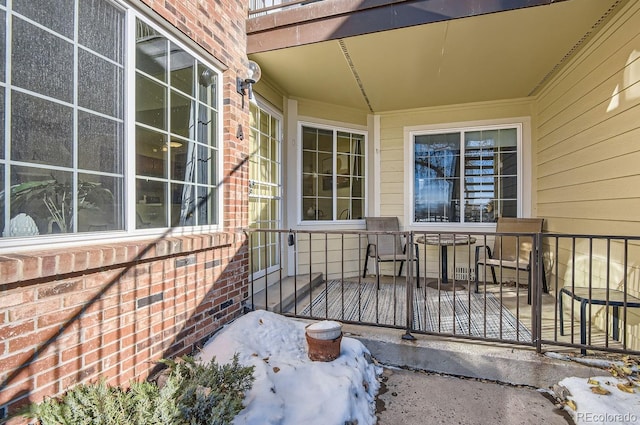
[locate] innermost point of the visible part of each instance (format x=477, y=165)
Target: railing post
x=409, y=290
x=536, y=281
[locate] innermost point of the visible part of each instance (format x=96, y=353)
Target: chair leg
x=366, y=261
x=417, y=266
x=477, y=271
x=400, y=271
x=493, y=274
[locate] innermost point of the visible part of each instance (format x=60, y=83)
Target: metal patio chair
x=511, y=252
x=387, y=247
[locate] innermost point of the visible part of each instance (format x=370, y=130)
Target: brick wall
x=71, y=315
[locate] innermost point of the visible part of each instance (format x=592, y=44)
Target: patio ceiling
x=489, y=57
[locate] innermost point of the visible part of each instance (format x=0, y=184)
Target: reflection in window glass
x=437, y=178
x=43, y=54
x=176, y=143
x=488, y=162
x=333, y=178
x=66, y=175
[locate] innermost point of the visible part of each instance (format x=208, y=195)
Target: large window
x=66, y=136
x=176, y=144
x=333, y=174
x=465, y=176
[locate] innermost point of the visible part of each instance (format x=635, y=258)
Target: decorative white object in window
x=66, y=133
x=467, y=176
x=333, y=174
x=66, y=168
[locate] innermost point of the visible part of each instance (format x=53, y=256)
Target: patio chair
x=387, y=248
x=511, y=252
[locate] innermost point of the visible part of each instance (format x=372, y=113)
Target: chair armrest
x=487, y=250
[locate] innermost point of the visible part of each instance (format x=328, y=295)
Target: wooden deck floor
x=513, y=299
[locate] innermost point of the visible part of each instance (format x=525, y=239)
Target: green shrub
x=192, y=394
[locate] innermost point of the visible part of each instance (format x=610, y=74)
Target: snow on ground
x=291, y=389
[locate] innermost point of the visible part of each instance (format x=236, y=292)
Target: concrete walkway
x=435, y=380
x=418, y=398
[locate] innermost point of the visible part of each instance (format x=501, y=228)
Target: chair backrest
x=385, y=243
x=506, y=247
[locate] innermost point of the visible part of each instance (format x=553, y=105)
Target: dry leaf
x=572, y=404
x=599, y=390
x=260, y=321
x=625, y=388
x=592, y=381
x=276, y=369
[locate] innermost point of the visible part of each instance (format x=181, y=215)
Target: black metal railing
x=570, y=291
x=263, y=7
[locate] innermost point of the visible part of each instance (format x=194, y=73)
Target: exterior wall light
x=253, y=76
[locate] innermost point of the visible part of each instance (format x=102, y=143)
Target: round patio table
x=445, y=241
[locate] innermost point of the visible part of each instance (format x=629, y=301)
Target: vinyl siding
x=588, y=150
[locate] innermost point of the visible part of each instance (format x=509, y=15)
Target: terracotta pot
x=324, y=350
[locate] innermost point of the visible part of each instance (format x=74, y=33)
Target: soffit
x=489, y=57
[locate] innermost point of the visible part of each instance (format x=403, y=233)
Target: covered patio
x=498, y=313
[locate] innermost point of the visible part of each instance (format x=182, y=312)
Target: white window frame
x=18, y=244
x=262, y=104
x=335, y=127
x=523, y=127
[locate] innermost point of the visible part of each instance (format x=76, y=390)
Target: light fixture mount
x=244, y=86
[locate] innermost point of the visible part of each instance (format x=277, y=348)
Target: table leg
x=443, y=255
x=616, y=331
x=583, y=327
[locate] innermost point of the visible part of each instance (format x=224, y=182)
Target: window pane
x=45, y=195
x=207, y=205
x=100, y=144
x=2, y=125
x=41, y=62
x=57, y=15
x=182, y=65
x=183, y=205
x=2, y=46
x=206, y=165
x=101, y=28
x=151, y=153
x=151, y=51
x=182, y=112
x=2, y=203
x=437, y=177
x=151, y=208
x=491, y=174
x=207, y=125
x=151, y=102
x=42, y=131
x=100, y=203
x=182, y=161
x=94, y=73
x=207, y=82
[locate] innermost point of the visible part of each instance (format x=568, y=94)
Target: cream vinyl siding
x=334, y=256
x=588, y=129
x=588, y=150
x=324, y=111
x=392, y=158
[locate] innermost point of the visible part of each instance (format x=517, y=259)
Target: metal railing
x=264, y=7
x=587, y=301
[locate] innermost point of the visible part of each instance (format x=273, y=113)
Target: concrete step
x=280, y=297
x=503, y=363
